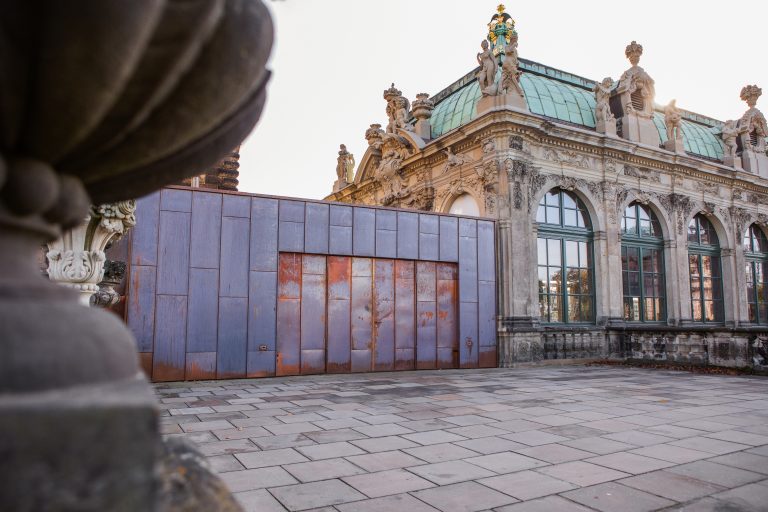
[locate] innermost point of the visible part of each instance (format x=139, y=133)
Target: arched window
x=756, y=254
x=642, y=265
x=565, y=265
x=705, y=271
x=465, y=204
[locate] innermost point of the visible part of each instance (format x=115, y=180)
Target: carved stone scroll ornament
x=101, y=103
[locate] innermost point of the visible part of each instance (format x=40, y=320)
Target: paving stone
x=258, y=501
x=751, y=497
x=464, y=497
x=292, y=428
x=744, y=460
x=316, y=494
x=329, y=450
x=554, y=453
x=671, y=453
x=476, y=431
x=487, y=445
x=384, y=444
x=610, y=425
x=582, y=473
x=441, y=452
x=611, y=497
x=519, y=425
x=671, y=485
x=506, y=462
x=426, y=425
x=335, y=436
x=225, y=447
x=444, y=473
x=286, y=441
x=397, y=502
x=433, y=437
x=717, y=474
x=385, y=483
x=630, y=462
x=598, y=445
x=526, y=485
x=638, y=438
x=736, y=436
x=322, y=469
x=201, y=426
x=266, y=458
x=224, y=463
x=241, y=433
x=706, y=444
x=674, y=431
x=548, y=504
x=385, y=430
x=257, y=478
x=383, y=461
x=535, y=437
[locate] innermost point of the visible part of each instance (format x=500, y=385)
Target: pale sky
x=332, y=60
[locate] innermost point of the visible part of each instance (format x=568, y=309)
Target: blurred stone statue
x=510, y=74
x=602, y=92
x=345, y=165
x=488, y=68
x=729, y=134
x=398, y=110
x=672, y=120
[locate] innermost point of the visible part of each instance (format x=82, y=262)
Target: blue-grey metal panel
x=429, y=224
x=233, y=273
x=429, y=247
x=468, y=228
x=340, y=240
x=168, y=361
x=449, y=239
x=141, y=306
x=264, y=234
x=486, y=251
x=341, y=215
x=384, y=315
x=173, y=264
x=487, y=313
x=206, y=230
x=291, y=237
x=203, y=310
x=291, y=211
x=386, y=219
x=364, y=232
x=176, y=200
x=233, y=337
x=144, y=233
x=386, y=243
x=469, y=348
x=236, y=206
x=316, y=229
x=407, y=235
x=262, y=302
x=467, y=264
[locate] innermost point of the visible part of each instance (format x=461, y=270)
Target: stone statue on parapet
x=345, y=165
x=398, y=110
x=486, y=77
x=602, y=92
x=673, y=121
x=753, y=124
x=637, y=83
x=510, y=74
x=729, y=134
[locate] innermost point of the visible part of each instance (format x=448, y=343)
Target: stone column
x=422, y=109
x=76, y=259
x=672, y=279
x=730, y=301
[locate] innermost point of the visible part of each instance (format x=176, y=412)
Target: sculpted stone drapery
x=753, y=131
x=510, y=74
x=345, y=168
x=398, y=110
x=488, y=69
x=729, y=134
x=605, y=120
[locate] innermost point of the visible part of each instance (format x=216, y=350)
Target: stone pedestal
x=754, y=162
x=675, y=145
x=339, y=184
x=512, y=101
x=640, y=128
x=607, y=127
x=734, y=162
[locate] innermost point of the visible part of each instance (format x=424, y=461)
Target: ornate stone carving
x=488, y=69
x=77, y=259
x=454, y=161
x=374, y=136
x=642, y=173
x=605, y=120
x=682, y=206
x=568, y=157
x=673, y=122
x=510, y=74
x=395, y=149
x=753, y=121
x=516, y=142
x=488, y=171
x=422, y=112
x=421, y=199
x=730, y=133
x=345, y=168
x=398, y=110
x=114, y=273
x=488, y=145
x=614, y=196
x=636, y=92
x=707, y=187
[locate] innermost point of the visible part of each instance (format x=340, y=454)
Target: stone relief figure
x=488, y=68
x=398, y=110
x=345, y=165
x=752, y=123
x=510, y=74
x=395, y=150
x=729, y=134
x=673, y=120
x=602, y=92
x=453, y=160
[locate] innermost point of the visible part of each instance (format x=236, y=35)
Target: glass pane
x=573, y=281
x=585, y=259
x=633, y=255
x=753, y=313
x=568, y=201
x=630, y=225
x=555, y=280
x=553, y=252
x=553, y=215
x=648, y=260
x=645, y=228
x=569, y=218
x=581, y=219
x=697, y=311
x=541, y=250
x=544, y=308
x=555, y=313
x=553, y=198
x=693, y=232
x=650, y=310
x=585, y=280
x=634, y=283
x=574, y=310
x=715, y=266
x=541, y=215
x=704, y=232
x=693, y=264
x=542, y=279
x=572, y=253
x=707, y=285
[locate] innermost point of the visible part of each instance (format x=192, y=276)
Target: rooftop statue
x=510, y=74
x=672, y=120
x=488, y=68
x=398, y=110
x=753, y=124
x=345, y=165
x=636, y=82
x=729, y=134
x=602, y=92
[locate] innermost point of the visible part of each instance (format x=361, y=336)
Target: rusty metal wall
x=227, y=285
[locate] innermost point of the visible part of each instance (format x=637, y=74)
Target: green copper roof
x=566, y=98
x=697, y=139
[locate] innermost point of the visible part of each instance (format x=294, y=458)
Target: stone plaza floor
x=570, y=438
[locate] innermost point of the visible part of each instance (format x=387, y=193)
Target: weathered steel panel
x=233, y=274
x=467, y=268
x=384, y=315
x=339, y=295
x=233, y=338
x=361, y=317
x=262, y=316
x=263, y=234
x=449, y=239
x=468, y=344
x=486, y=251
x=236, y=206
x=200, y=366
x=487, y=324
x=145, y=361
x=429, y=237
x=446, y=316
x=173, y=264
x=340, y=240
x=316, y=229
x=141, y=307
x=313, y=314
x=386, y=243
x=288, y=314
x=172, y=200
x=426, y=335
x=364, y=232
x=408, y=235
x=429, y=224
x=426, y=281
x=144, y=234
x=170, y=331
x=405, y=315
x=203, y=309
x=468, y=228
x=206, y=230
x=341, y=215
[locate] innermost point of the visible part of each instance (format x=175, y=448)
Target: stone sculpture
x=486, y=77
x=605, y=120
x=398, y=110
x=753, y=131
x=636, y=91
x=345, y=168
x=453, y=160
x=422, y=112
x=729, y=134
x=100, y=105
x=510, y=74
x=673, y=122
